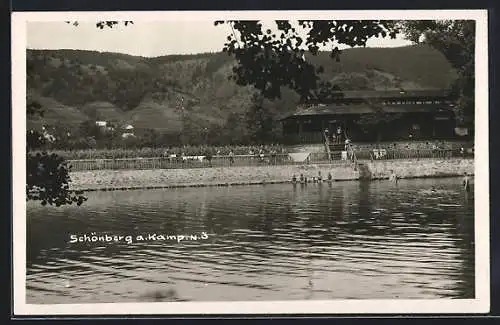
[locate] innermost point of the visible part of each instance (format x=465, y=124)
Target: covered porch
x=363, y=124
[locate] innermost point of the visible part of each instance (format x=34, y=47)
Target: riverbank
x=194, y=177
x=231, y=176
x=424, y=168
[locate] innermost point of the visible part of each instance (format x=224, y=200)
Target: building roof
x=333, y=109
x=339, y=109
x=403, y=93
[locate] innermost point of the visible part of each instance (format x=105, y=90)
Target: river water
x=347, y=240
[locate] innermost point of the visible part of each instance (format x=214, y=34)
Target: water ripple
x=348, y=240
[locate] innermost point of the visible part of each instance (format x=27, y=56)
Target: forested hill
x=74, y=86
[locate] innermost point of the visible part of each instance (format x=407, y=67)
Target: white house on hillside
x=101, y=123
x=127, y=135
x=129, y=131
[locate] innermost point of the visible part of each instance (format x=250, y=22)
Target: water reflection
x=342, y=240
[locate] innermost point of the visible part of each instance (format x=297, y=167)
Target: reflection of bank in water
x=162, y=295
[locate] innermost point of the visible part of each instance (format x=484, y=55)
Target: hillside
x=157, y=93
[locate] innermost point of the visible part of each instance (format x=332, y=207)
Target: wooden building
x=368, y=116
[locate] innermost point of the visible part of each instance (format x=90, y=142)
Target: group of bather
x=393, y=177
x=302, y=179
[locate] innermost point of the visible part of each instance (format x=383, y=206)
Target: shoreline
x=134, y=188
x=121, y=180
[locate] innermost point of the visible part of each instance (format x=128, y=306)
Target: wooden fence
x=197, y=162
x=256, y=160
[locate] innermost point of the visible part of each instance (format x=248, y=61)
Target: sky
x=148, y=39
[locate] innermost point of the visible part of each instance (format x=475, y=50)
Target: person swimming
x=330, y=177
x=320, y=179
x=302, y=178
x=294, y=179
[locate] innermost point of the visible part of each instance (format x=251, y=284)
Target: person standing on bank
x=465, y=182
x=339, y=134
x=327, y=134
x=393, y=177
x=346, y=143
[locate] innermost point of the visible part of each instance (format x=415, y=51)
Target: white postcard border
x=481, y=304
